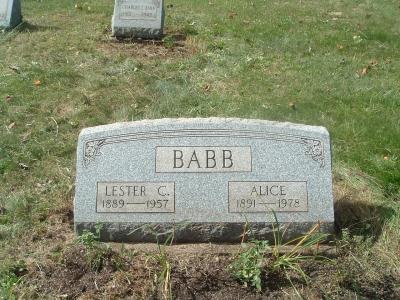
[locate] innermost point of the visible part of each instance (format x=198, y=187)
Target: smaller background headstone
x=138, y=19
x=10, y=13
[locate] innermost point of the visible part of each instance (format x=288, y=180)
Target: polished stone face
x=216, y=174
x=10, y=13
x=138, y=18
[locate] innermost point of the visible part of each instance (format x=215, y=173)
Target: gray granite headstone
x=10, y=13
x=203, y=179
x=138, y=19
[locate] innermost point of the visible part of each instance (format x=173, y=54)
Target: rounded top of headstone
x=214, y=122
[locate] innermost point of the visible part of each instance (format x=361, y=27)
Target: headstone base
x=197, y=232
x=143, y=33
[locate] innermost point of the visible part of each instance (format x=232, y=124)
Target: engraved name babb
x=136, y=197
x=268, y=196
x=139, y=9
x=203, y=159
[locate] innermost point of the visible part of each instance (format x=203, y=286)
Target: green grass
x=252, y=59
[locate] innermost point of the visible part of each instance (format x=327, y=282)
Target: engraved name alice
x=266, y=195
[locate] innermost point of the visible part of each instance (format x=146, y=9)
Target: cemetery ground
x=335, y=64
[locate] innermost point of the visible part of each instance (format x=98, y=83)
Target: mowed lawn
x=329, y=63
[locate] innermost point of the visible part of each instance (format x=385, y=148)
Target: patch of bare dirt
x=74, y=277
x=208, y=277
x=173, y=47
x=197, y=272
x=60, y=269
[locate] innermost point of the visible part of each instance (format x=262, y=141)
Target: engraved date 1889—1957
x=135, y=197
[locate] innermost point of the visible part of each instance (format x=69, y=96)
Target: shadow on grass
x=171, y=46
x=29, y=27
x=173, y=38
x=360, y=218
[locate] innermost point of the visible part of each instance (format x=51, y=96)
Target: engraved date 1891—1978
x=267, y=196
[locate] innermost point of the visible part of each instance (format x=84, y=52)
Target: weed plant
x=248, y=266
x=162, y=279
x=89, y=239
x=10, y=277
x=290, y=260
x=96, y=252
x=259, y=258
x=7, y=284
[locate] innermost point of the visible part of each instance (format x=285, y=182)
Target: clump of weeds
x=260, y=260
x=98, y=254
x=249, y=265
x=10, y=277
x=162, y=278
